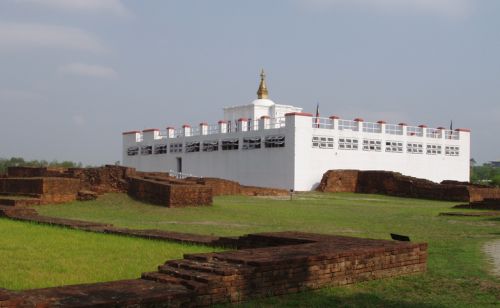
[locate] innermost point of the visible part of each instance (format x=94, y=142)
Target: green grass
x=35, y=256
x=458, y=270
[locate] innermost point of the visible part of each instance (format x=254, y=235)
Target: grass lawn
x=35, y=256
x=458, y=270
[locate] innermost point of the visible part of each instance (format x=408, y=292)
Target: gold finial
x=262, y=92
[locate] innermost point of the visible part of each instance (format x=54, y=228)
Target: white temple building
x=271, y=145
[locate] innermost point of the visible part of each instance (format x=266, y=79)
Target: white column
x=203, y=129
x=222, y=127
x=242, y=124
x=404, y=128
x=335, y=122
x=186, y=130
x=264, y=122
x=382, y=126
x=170, y=132
x=424, y=130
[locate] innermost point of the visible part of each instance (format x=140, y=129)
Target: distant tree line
x=485, y=174
x=20, y=162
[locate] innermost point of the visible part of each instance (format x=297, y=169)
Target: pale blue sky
x=74, y=74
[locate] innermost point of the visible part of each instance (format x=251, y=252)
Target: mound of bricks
x=396, y=184
x=266, y=264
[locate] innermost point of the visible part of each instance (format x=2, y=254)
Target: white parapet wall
x=294, y=152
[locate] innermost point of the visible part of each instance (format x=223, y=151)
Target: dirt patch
x=492, y=250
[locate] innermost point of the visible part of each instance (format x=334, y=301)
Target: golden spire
x=262, y=92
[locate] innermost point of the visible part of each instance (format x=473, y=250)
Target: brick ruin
x=265, y=264
x=396, y=184
x=43, y=185
x=486, y=204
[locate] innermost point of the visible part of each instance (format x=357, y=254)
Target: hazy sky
x=74, y=74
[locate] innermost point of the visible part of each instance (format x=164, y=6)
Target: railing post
x=264, y=122
x=186, y=130
x=203, y=129
x=335, y=122
x=424, y=130
x=404, y=128
x=222, y=127
x=382, y=125
x=359, y=124
x=242, y=124
x=170, y=132
x=442, y=132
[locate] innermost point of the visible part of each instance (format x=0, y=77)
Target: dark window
x=230, y=144
x=209, y=146
x=160, y=149
x=192, y=147
x=132, y=151
x=176, y=148
x=147, y=150
x=275, y=142
x=251, y=143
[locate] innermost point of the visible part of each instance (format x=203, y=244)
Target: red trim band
x=467, y=130
x=150, y=130
x=359, y=120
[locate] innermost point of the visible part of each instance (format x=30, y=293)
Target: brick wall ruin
x=168, y=193
x=267, y=264
x=396, y=184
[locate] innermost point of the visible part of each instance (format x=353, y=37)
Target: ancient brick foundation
x=486, y=204
x=45, y=189
x=396, y=184
x=271, y=264
x=169, y=193
x=222, y=187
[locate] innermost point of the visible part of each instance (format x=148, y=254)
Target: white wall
x=265, y=167
x=311, y=162
x=298, y=165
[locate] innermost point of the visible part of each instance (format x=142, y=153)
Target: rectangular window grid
x=251, y=143
x=230, y=144
x=132, y=151
x=394, y=146
x=372, y=145
x=160, y=149
x=210, y=146
x=433, y=149
x=414, y=148
x=147, y=150
x=348, y=144
x=176, y=148
x=274, y=141
x=322, y=142
x=192, y=147
x=452, y=150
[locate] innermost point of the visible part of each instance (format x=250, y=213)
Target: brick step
x=15, y=212
x=17, y=201
x=192, y=275
x=217, y=267
x=166, y=278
